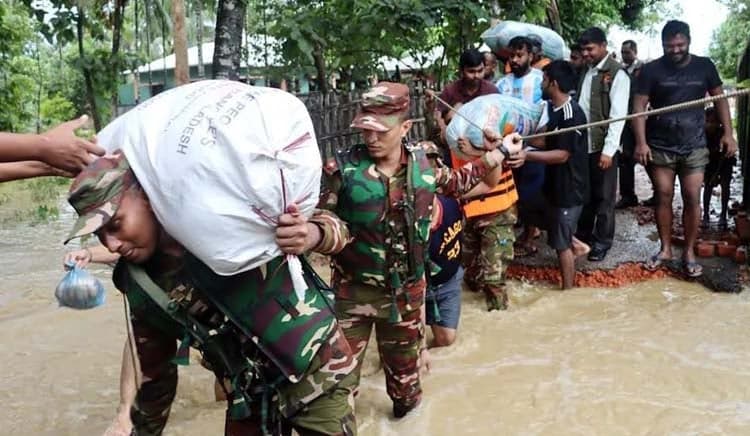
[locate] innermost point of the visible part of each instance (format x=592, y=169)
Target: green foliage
x=730, y=39
x=54, y=110
x=15, y=82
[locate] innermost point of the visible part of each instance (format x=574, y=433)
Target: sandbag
x=498, y=37
x=220, y=161
x=78, y=289
x=501, y=114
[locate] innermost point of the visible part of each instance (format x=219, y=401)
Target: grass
x=31, y=201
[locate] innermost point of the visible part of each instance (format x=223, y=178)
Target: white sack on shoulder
x=218, y=160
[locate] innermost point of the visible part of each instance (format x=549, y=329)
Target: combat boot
x=496, y=297
x=400, y=410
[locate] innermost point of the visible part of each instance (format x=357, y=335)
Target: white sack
x=211, y=154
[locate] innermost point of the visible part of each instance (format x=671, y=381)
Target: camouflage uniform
x=295, y=366
x=487, y=252
x=379, y=275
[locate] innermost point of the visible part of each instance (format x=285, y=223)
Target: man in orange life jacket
x=490, y=211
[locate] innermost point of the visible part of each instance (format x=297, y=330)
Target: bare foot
x=580, y=248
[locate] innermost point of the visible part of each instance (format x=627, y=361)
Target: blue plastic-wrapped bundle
x=79, y=289
x=501, y=114
x=498, y=37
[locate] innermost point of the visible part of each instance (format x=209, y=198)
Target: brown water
x=657, y=358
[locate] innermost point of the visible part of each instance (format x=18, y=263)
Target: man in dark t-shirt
x=674, y=144
x=566, y=179
x=443, y=299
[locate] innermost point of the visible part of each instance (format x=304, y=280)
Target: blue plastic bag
x=498, y=37
x=79, y=289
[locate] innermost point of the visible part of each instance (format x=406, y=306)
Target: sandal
x=655, y=262
x=692, y=269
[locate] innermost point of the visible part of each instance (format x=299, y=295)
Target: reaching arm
x=58, y=147
x=459, y=181
x=28, y=169
x=548, y=157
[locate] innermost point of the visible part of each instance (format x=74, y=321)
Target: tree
x=632, y=14
x=181, y=67
x=731, y=38
x=230, y=23
x=16, y=85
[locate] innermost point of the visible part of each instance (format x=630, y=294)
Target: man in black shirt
x=566, y=178
x=675, y=143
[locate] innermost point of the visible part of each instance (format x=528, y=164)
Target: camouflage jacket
x=267, y=325
x=379, y=216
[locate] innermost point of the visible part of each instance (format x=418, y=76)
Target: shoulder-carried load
x=500, y=113
x=498, y=37
x=219, y=162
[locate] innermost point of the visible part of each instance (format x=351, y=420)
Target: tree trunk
x=320, y=67
x=181, y=67
x=88, y=80
x=114, y=56
x=199, y=37
x=553, y=16
x=230, y=22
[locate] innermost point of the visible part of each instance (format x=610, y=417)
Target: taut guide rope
x=652, y=112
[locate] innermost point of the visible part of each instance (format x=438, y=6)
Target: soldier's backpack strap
x=220, y=346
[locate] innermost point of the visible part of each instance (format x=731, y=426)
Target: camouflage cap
x=383, y=107
x=96, y=193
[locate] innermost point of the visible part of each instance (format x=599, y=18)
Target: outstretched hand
x=62, y=149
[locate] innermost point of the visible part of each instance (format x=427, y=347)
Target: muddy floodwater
x=657, y=358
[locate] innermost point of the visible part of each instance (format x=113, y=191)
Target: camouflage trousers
x=487, y=251
x=359, y=307
x=331, y=413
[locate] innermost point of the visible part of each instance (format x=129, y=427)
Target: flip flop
x=692, y=269
x=654, y=262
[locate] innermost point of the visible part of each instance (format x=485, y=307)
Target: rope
x=131, y=345
x=652, y=112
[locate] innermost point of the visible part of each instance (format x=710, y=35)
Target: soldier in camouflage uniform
x=287, y=361
x=384, y=190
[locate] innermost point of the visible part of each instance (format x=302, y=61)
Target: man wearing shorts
x=566, y=177
x=443, y=298
x=675, y=143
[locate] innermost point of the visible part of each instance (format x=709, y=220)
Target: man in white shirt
x=604, y=92
x=525, y=83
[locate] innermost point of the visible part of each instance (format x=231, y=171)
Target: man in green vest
x=603, y=93
x=383, y=190
x=286, y=360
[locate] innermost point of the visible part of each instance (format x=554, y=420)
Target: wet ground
x=633, y=244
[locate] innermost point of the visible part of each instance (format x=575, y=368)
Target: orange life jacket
x=500, y=198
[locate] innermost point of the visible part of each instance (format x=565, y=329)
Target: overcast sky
x=703, y=16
